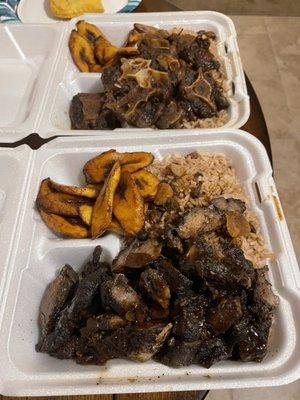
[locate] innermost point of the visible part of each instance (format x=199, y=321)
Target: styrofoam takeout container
x=38, y=77
x=33, y=256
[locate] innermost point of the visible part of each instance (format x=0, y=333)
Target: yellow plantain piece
x=132, y=162
x=65, y=9
x=105, y=51
x=128, y=205
x=44, y=188
x=63, y=227
x=85, y=212
x=96, y=68
x=59, y=203
x=82, y=52
x=102, y=211
x=115, y=227
x=147, y=183
x=89, y=31
x=133, y=38
x=97, y=169
x=90, y=192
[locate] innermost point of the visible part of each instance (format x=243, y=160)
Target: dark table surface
x=255, y=125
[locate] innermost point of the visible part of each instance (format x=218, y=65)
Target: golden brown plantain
x=82, y=51
x=44, y=188
x=86, y=191
x=115, y=227
x=59, y=203
x=96, y=68
x=133, y=37
x=97, y=169
x=104, y=50
x=102, y=211
x=66, y=9
x=128, y=205
x=132, y=162
x=164, y=194
x=85, y=212
x=89, y=31
x=63, y=227
x=147, y=183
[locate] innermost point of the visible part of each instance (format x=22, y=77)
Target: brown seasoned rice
x=210, y=175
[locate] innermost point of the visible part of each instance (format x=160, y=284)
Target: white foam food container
x=38, y=77
x=33, y=255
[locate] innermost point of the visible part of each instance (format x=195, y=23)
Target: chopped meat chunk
x=225, y=314
x=211, y=351
x=178, y=353
x=153, y=285
x=199, y=221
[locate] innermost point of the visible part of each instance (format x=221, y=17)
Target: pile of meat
x=173, y=79
x=174, y=297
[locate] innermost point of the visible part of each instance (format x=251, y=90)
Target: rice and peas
x=200, y=177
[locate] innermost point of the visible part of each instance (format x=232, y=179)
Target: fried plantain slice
x=63, y=227
x=115, y=227
x=133, y=38
x=104, y=50
x=96, y=68
x=128, y=205
x=44, y=188
x=66, y=9
x=91, y=193
x=102, y=211
x=164, y=194
x=98, y=168
x=82, y=51
x=85, y=212
x=59, y=203
x=132, y=162
x=147, y=183
x=89, y=31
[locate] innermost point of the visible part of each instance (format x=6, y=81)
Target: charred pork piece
x=199, y=221
x=154, y=286
x=234, y=256
x=251, y=338
x=189, y=319
x=84, y=110
x=118, y=295
x=94, y=264
x=229, y=204
x=226, y=314
x=263, y=289
x=103, y=322
x=137, y=255
x=110, y=76
x=55, y=298
x=212, y=351
x=177, y=282
x=138, y=343
x=197, y=53
x=177, y=353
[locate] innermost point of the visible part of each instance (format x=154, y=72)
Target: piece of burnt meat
x=251, y=338
x=118, y=295
x=226, y=314
x=110, y=76
x=189, y=318
x=137, y=343
x=103, y=322
x=137, y=255
x=177, y=282
x=153, y=284
x=212, y=351
x=55, y=298
x=177, y=353
x=85, y=109
x=263, y=289
x=199, y=221
x=171, y=117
